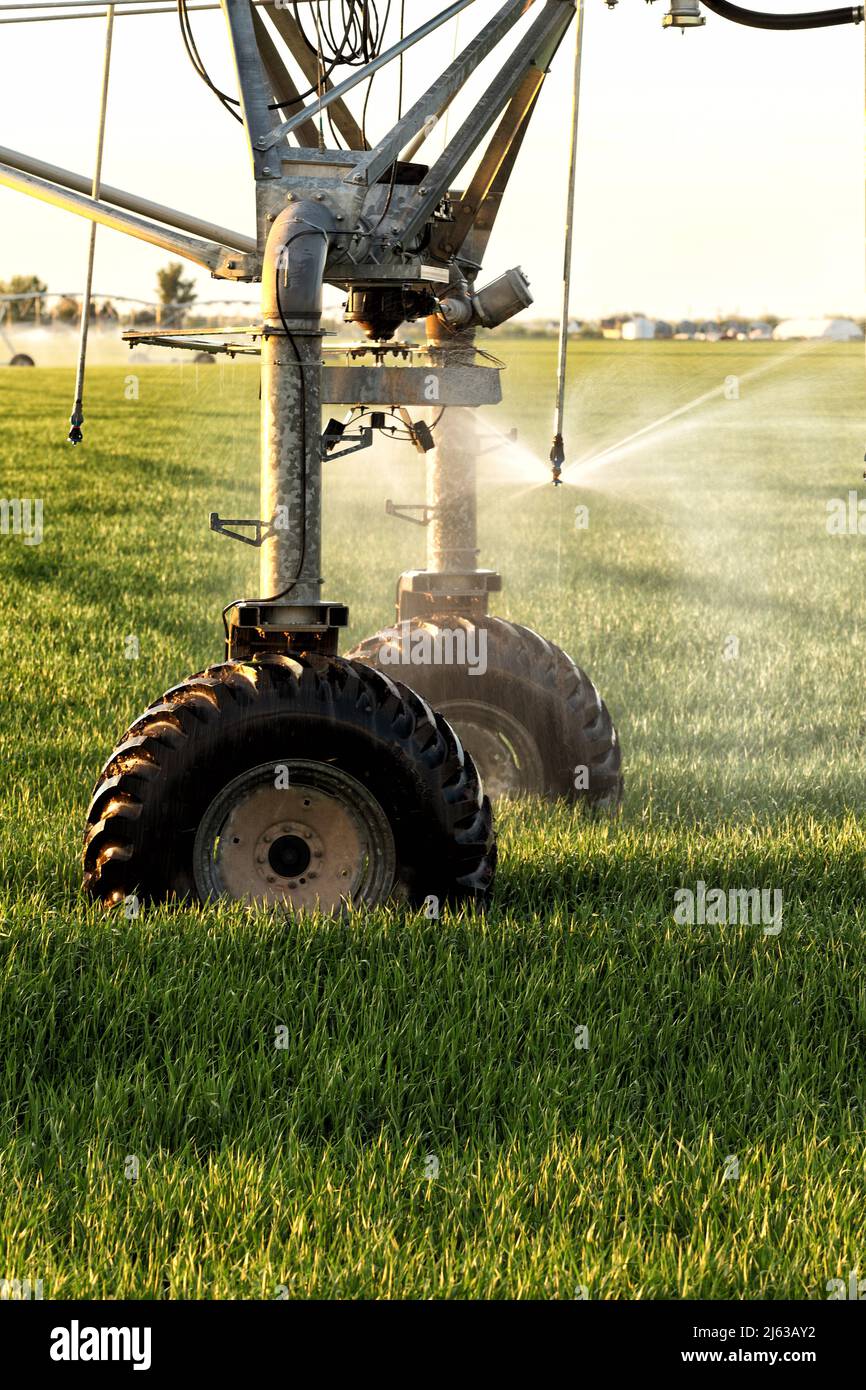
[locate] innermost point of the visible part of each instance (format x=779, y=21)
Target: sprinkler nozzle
x=557, y=459
x=76, y=420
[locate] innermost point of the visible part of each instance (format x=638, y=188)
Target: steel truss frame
x=357, y=217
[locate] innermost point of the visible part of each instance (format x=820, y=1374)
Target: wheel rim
x=502, y=748
x=310, y=837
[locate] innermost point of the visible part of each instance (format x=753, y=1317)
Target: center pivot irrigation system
x=289, y=775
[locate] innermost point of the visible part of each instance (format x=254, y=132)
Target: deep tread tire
x=532, y=681
x=175, y=758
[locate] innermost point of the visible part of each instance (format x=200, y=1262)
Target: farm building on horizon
x=637, y=327
x=836, y=330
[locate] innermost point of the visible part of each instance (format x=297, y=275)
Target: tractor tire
x=533, y=721
x=22, y=359
x=306, y=782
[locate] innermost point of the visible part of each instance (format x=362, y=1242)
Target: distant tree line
x=175, y=294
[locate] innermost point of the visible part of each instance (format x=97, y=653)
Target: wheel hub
x=289, y=855
x=505, y=753
x=318, y=842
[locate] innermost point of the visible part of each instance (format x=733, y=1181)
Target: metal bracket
x=403, y=510
x=421, y=593
x=255, y=626
x=364, y=440
x=221, y=524
x=166, y=340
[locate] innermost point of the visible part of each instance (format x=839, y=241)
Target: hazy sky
x=720, y=169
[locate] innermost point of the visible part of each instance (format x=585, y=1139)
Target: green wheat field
x=432, y=1128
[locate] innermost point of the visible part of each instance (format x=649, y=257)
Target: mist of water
x=663, y=428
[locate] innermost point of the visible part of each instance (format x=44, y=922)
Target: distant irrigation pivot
x=108, y=297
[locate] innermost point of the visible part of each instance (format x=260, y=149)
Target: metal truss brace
x=439, y=96
x=220, y=259
x=52, y=173
x=475, y=214
x=336, y=93
x=535, y=50
x=281, y=83
x=259, y=120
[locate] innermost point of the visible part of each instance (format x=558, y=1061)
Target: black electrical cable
x=291, y=339
x=361, y=41
x=364, y=40
x=392, y=184
x=335, y=135
x=809, y=19
x=357, y=56
x=390, y=431
x=364, y=109
x=195, y=58
x=340, y=55
x=384, y=26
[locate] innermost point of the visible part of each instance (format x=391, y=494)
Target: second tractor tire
x=533, y=720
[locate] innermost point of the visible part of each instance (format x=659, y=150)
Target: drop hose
x=809, y=19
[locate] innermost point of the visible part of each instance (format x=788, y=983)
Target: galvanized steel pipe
x=291, y=477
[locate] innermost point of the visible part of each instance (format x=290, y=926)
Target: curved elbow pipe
x=293, y=267
x=809, y=19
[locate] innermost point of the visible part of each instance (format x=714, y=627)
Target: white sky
x=720, y=170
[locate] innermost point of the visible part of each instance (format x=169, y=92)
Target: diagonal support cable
x=76, y=420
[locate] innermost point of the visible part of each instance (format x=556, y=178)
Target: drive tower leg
x=452, y=581
x=291, y=615
x=452, y=536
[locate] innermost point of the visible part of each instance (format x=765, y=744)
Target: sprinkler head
x=683, y=14
x=76, y=420
x=557, y=459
